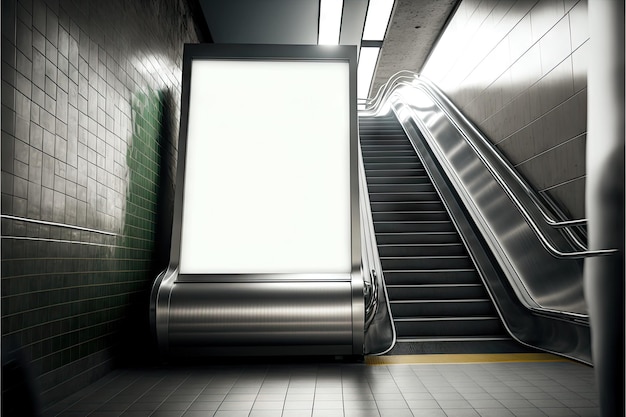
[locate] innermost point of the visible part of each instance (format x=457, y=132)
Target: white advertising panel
x=267, y=168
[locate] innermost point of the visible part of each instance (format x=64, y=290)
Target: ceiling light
x=330, y=22
x=378, y=14
x=365, y=70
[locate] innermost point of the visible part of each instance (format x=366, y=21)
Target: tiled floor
x=528, y=389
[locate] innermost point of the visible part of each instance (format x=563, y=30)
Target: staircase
x=434, y=289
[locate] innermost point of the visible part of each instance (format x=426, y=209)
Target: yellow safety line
x=462, y=358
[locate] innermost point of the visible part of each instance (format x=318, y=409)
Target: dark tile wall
x=90, y=107
x=518, y=70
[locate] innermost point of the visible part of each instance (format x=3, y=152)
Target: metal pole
x=604, y=276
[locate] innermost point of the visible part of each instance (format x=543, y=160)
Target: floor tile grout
x=342, y=389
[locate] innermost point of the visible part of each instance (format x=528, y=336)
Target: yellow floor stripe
x=462, y=358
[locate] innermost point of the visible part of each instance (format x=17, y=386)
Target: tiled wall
x=90, y=107
x=518, y=70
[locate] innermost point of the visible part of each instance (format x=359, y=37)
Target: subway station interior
x=315, y=208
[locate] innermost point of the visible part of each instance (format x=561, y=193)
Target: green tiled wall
x=90, y=107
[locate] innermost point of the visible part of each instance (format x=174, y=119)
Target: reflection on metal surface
x=380, y=333
x=304, y=317
x=263, y=313
x=604, y=277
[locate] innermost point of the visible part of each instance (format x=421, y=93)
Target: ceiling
x=414, y=27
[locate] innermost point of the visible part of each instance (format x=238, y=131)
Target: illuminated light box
x=268, y=184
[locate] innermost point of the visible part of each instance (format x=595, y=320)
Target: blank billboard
x=267, y=168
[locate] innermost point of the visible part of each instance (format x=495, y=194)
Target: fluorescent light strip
x=365, y=71
x=330, y=22
x=377, y=19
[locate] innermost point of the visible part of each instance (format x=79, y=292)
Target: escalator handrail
x=371, y=267
x=377, y=100
x=368, y=261
x=373, y=105
x=545, y=241
x=505, y=164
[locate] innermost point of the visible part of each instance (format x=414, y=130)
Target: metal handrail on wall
x=408, y=79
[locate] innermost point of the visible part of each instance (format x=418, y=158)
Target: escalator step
x=448, y=327
x=403, y=227
x=429, y=277
x=417, y=237
x=416, y=249
x=442, y=308
x=384, y=141
x=384, y=135
x=395, y=216
x=378, y=197
x=406, y=179
x=425, y=262
x=437, y=291
x=388, y=153
x=394, y=172
x=400, y=188
x=395, y=159
x=381, y=166
x=387, y=206
x=386, y=148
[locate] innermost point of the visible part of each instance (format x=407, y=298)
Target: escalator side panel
x=565, y=337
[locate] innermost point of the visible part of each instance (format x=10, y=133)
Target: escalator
x=523, y=278
x=434, y=289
